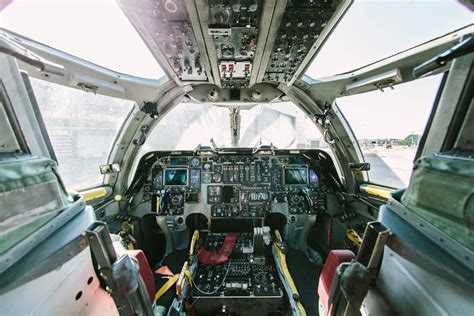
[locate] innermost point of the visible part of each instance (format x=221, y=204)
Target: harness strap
x=170, y=283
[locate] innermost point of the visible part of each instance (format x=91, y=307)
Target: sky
x=374, y=29
x=97, y=30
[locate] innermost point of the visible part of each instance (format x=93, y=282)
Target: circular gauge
x=217, y=177
x=194, y=162
x=206, y=178
x=295, y=199
x=207, y=166
x=176, y=199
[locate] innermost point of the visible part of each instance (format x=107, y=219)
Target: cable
x=192, y=305
x=220, y=285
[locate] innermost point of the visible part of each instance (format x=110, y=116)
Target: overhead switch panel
x=166, y=27
x=301, y=25
x=234, y=30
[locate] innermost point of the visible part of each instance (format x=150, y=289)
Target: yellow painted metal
x=94, y=194
x=377, y=190
x=128, y=229
x=353, y=236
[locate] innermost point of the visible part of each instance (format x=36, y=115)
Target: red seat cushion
x=334, y=259
x=145, y=271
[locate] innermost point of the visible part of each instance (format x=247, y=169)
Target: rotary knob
x=217, y=177
x=176, y=199
x=295, y=199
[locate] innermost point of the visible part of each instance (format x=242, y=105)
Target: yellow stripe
x=287, y=274
x=93, y=194
x=171, y=282
x=166, y=286
x=377, y=191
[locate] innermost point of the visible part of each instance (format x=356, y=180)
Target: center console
x=248, y=280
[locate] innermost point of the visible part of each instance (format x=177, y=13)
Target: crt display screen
x=229, y=195
x=313, y=178
x=176, y=177
x=178, y=161
x=296, y=176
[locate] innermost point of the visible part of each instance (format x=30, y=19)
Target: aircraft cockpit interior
x=263, y=172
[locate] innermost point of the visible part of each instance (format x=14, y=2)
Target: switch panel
x=234, y=30
x=301, y=26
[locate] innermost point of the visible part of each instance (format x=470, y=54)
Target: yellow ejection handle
x=353, y=236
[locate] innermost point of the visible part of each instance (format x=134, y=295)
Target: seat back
x=334, y=259
x=145, y=271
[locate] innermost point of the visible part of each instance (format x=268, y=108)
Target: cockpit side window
x=388, y=126
x=82, y=127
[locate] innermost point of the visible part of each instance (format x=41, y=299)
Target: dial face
x=194, y=162
x=176, y=199
x=295, y=199
x=207, y=166
x=206, y=177
x=217, y=177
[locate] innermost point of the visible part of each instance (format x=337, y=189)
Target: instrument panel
x=236, y=186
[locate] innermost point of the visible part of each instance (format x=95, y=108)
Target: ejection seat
x=417, y=258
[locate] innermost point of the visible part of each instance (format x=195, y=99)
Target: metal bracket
x=120, y=275
x=215, y=148
x=234, y=126
x=325, y=121
x=325, y=118
x=371, y=250
x=141, y=140
x=151, y=109
x=264, y=149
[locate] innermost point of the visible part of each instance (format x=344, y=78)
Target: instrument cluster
x=237, y=186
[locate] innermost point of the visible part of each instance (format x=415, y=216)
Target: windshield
x=189, y=124
x=96, y=31
x=373, y=30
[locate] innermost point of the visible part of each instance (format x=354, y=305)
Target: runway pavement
x=390, y=166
